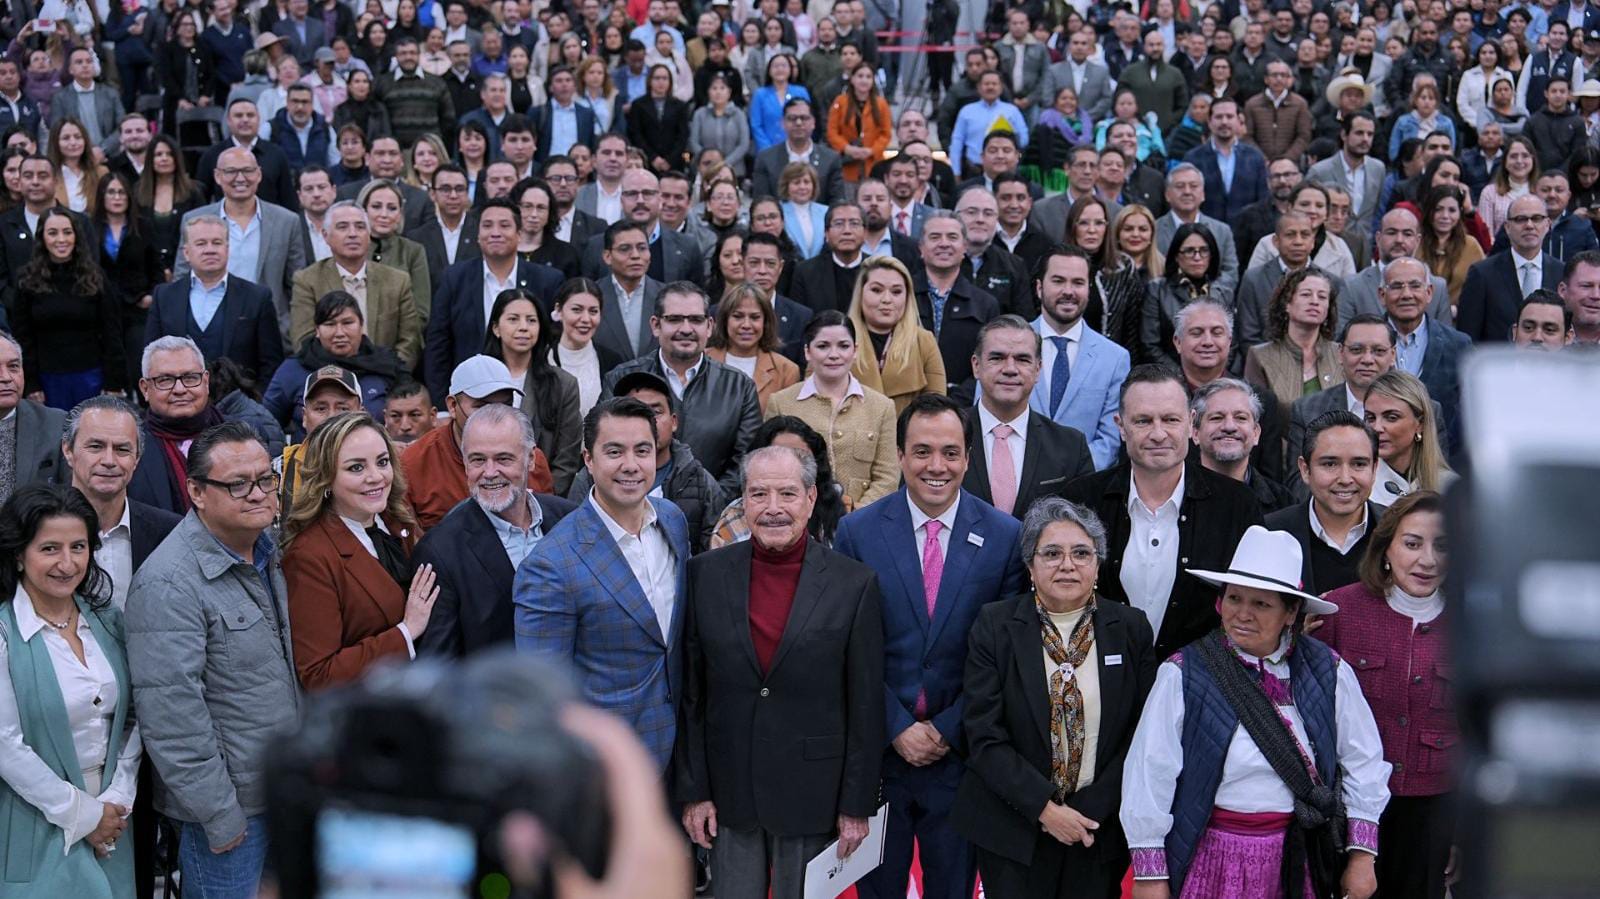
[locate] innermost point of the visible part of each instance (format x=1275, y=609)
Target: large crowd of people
x=1048, y=446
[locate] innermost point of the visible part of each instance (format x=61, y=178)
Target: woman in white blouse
x=1204, y=810
x=577, y=310
x=69, y=748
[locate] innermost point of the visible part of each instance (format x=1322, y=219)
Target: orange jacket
x=436, y=475
x=872, y=131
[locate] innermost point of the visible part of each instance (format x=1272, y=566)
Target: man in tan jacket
x=1278, y=119
x=383, y=292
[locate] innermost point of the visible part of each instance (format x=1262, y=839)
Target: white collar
x=946, y=518
x=1175, y=500
x=808, y=389
x=617, y=531
x=988, y=421
x=1321, y=533
x=842, y=264
x=1073, y=334
x=125, y=523
x=28, y=620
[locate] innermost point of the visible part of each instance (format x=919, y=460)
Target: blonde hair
x=319, y=464
x=1427, y=459
x=1151, y=259
x=903, y=339
x=410, y=175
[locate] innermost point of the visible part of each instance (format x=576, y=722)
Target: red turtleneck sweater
x=773, y=578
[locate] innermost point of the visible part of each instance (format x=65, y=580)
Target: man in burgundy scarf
x=178, y=391
x=782, y=735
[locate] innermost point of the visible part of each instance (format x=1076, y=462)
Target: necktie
x=1060, y=374
x=940, y=300
x=932, y=570
x=1003, y=470
x=900, y=223
x=391, y=555
x=1530, y=278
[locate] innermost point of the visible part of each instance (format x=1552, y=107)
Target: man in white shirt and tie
x=1091, y=80
x=1496, y=286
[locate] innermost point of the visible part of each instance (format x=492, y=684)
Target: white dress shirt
x=1017, y=442
x=679, y=385
x=77, y=812
x=919, y=527
x=366, y=544
x=492, y=287
x=607, y=207
x=1350, y=539
x=564, y=227
x=115, y=556
x=452, y=238
x=649, y=557
x=319, y=246
x=1150, y=562
x=1353, y=402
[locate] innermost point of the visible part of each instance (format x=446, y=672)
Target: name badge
x=1114, y=660
x=975, y=539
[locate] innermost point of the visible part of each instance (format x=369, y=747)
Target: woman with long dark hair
x=1446, y=246
x=859, y=123
x=578, y=306
x=789, y=431
x=1193, y=267
x=67, y=317
x=77, y=174
x=361, y=108
x=129, y=259
x=520, y=336
x=69, y=762
x=1116, y=290
x=658, y=123
x=767, y=102
x=165, y=193
x=338, y=338
x=537, y=241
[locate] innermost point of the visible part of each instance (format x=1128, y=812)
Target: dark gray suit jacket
x=680, y=258
x=612, y=335
x=38, y=450
x=1094, y=98
x=1359, y=294
x=1052, y=455
x=829, y=165
x=1306, y=410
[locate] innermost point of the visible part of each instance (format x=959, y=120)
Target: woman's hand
x=1359, y=881
x=112, y=824
x=1151, y=889
x=419, y=601
x=1067, y=825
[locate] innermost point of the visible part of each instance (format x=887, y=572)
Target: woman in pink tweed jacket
x=1393, y=629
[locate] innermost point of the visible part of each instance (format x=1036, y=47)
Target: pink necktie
x=1003, y=470
x=932, y=569
x=900, y=223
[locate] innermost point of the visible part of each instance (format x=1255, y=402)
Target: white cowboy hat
x=1590, y=88
x=1267, y=560
x=1350, y=79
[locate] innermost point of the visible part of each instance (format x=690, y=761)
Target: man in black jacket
x=475, y=550
x=1163, y=515
x=986, y=262
x=951, y=307
x=1556, y=130
x=244, y=128
x=828, y=280
x=781, y=745
x=1227, y=429
x=1339, y=465
x=1425, y=56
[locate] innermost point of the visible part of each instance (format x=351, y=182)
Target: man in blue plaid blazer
x=604, y=591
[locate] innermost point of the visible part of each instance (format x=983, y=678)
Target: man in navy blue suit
x=562, y=122
x=941, y=554
x=459, y=318
x=1235, y=172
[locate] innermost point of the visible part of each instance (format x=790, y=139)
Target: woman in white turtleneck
x=1393, y=628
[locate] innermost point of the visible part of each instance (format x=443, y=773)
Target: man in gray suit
x=799, y=121
x=602, y=197
x=1295, y=238
x=1398, y=235
x=264, y=240
x=32, y=437
x=1186, y=192
x=629, y=293
x=1091, y=79
x=303, y=33
x=1050, y=215
x=673, y=256
x=97, y=107
x=1023, y=61
x=1352, y=170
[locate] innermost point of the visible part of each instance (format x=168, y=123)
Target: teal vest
x=31, y=860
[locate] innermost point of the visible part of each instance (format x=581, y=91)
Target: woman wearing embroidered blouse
x=1300, y=357
x=64, y=704
x=346, y=540
x=1392, y=624
x=1205, y=810
x=1042, y=811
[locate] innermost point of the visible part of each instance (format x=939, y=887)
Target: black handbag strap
x=1258, y=715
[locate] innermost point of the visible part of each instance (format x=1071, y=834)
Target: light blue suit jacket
x=577, y=600
x=818, y=214
x=1090, y=403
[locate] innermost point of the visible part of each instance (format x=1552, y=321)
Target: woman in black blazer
x=130, y=259
x=1054, y=684
x=659, y=124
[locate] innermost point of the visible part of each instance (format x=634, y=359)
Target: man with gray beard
x=476, y=548
x=1227, y=427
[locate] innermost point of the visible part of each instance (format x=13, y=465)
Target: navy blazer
x=249, y=324
x=588, y=129
x=981, y=565
x=1487, y=308
x=1249, y=180
x=1441, y=374
x=455, y=324
x=148, y=526
x=473, y=611
x=1591, y=15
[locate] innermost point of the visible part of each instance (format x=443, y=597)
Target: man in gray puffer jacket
x=211, y=662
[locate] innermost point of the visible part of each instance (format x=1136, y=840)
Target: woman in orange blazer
x=859, y=123
x=347, y=539
x=746, y=338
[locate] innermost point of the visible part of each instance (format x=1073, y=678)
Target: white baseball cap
x=482, y=376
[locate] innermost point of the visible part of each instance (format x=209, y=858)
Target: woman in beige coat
x=1300, y=358
x=897, y=357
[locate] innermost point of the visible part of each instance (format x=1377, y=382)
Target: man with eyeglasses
x=629, y=295
x=987, y=264
x=1366, y=350
x=209, y=654
x=276, y=184
x=951, y=307
x=673, y=256
x=1399, y=234
x=1083, y=168
x=717, y=405
x=573, y=225
x=1543, y=323
x=1260, y=218
x=1426, y=348
x=1568, y=235
x=453, y=235
x=799, y=121
x=1495, y=287
x=224, y=316
x=828, y=279
x=264, y=245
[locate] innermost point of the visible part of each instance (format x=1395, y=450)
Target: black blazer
x=1053, y=456
x=456, y=327
x=431, y=236
x=1215, y=513
x=250, y=334
x=1007, y=724
x=967, y=311
x=665, y=135
x=418, y=205
x=584, y=226
x=277, y=182
x=473, y=610
x=1296, y=520
x=818, y=283
x=137, y=269
x=17, y=240
x=1487, y=309
x=793, y=748
x=148, y=526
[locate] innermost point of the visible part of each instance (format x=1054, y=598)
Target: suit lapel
x=27, y=442
x=486, y=548
x=907, y=556
x=957, y=560
x=1027, y=652
x=611, y=571
x=364, y=568
x=611, y=326
x=738, y=586
x=1032, y=446
x=807, y=596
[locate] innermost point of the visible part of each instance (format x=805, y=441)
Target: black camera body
x=398, y=784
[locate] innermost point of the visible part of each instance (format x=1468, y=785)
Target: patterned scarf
x=1066, y=701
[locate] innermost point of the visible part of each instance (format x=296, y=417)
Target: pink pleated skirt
x=1240, y=856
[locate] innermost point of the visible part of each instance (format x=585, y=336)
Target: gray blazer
x=1359, y=293
x=830, y=172
x=1035, y=62
x=1228, y=278
x=212, y=666
x=38, y=449
x=283, y=253
x=681, y=259
x=107, y=112
x=588, y=198
x=729, y=133
x=1095, y=95
x=1250, y=306
x=1331, y=171
x=613, y=334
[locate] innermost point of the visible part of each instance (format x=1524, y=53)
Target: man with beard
x=1338, y=466
x=1203, y=337
x=1082, y=370
x=828, y=280
x=134, y=133
x=673, y=256
x=476, y=548
x=1352, y=169
x=1227, y=429
x=314, y=186
x=1424, y=57
x=1399, y=234
x=573, y=225
x=907, y=211
x=1261, y=218
x=988, y=264
x=717, y=404
x=409, y=413
x=872, y=195
x=950, y=306
x=1245, y=180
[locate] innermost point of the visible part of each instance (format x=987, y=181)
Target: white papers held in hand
x=828, y=875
